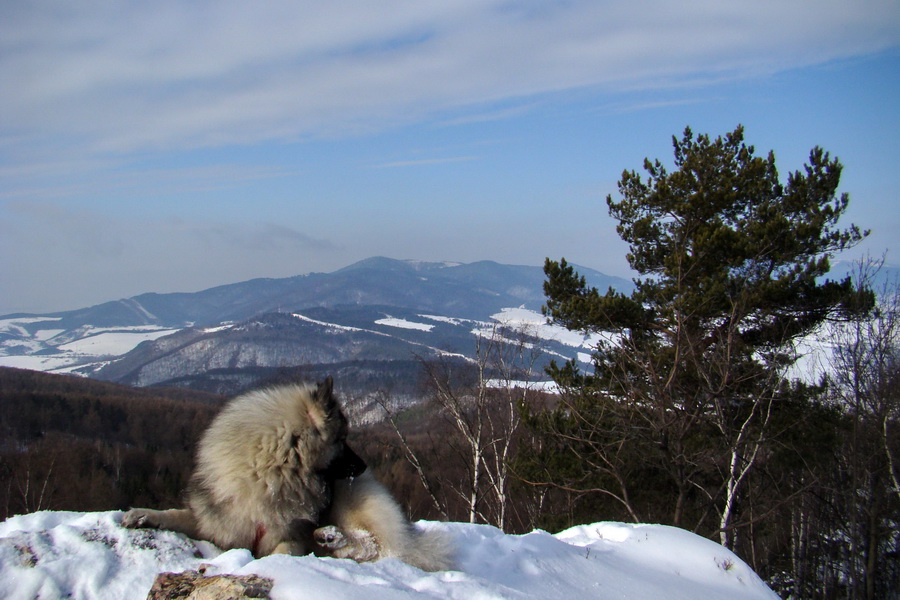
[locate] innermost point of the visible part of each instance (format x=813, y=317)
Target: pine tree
x=732, y=271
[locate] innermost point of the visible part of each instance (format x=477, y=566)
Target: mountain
x=379, y=310
x=466, y=290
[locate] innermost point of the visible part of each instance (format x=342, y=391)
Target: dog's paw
x=356, y=544
x=139, y=518
x=330, y=537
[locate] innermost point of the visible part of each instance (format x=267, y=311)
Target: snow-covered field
x=535, y=324
x=59, y=351
x=404, y=324
x=50, y=555
x=115, y=342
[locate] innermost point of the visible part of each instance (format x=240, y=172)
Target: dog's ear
x=325, y=393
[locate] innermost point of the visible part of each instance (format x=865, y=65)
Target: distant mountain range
x=466, y=290
x=369, y=321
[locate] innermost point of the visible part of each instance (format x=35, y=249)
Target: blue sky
x=174, y=145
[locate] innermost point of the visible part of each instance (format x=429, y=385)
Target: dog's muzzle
x=345, y=465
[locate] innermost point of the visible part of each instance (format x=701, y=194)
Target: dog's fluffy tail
x=430, y=549
x=363, y=508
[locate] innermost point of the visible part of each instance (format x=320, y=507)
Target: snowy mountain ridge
x=377, y=309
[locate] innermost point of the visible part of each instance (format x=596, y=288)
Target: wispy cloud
x=641, y=105
x=124, y=76
x=490, y=115
x=425, y=162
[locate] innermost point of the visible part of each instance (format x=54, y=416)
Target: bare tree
x=512, y=354
x=865, y=371
x=482, y=400
x=34, y=477
x=413, y=458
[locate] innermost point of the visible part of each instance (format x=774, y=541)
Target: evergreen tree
x=731, y=266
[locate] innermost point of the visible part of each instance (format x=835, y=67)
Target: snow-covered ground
x=58, y=350
x=114, y=342
x=404, y=324
x=50, y=555
x=535, y=324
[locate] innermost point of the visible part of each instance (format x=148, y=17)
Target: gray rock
x=193, y=585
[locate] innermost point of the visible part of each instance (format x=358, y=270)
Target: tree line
x=69, y=443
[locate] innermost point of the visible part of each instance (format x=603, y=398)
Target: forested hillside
x=70, y=443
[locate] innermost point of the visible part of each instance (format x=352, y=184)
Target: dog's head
x=336, y=460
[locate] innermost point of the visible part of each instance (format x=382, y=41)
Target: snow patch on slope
x=114, y=343
x=534, y=323
x=404, y=324
x=58, y=350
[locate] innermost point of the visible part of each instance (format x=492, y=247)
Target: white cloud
x=125, y=76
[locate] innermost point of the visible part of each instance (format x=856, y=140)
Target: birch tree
x=483, y=401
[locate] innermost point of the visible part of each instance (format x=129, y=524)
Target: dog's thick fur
x=264, y=473
x=274, y=474
x=365, y=523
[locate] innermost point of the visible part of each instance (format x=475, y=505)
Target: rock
x=193, y=585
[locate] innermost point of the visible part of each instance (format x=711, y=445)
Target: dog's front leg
x=298, y=541
x=181, y=520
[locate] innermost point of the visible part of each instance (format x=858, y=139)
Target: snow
x=113, y=343
x=536, y=324
x=46, y=334
x=370, y=331
x=37, y=362
x=90, y=345
x=450, y=320
x=521, y=318
x=331, y=325
x=52, y=555
x=404, y=324
x=15, y=323
x=135, y=305
x=549, y=387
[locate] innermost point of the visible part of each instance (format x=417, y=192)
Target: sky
x=177, y=145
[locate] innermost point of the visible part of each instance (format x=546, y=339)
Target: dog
x=365, y=523
x=274, y=474
x=265, y=472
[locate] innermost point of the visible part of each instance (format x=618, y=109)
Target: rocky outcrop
x=193, y=585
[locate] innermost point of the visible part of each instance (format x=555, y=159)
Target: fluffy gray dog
x=264, y=473
x=274, y=474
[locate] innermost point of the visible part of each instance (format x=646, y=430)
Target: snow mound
x=51, y=555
